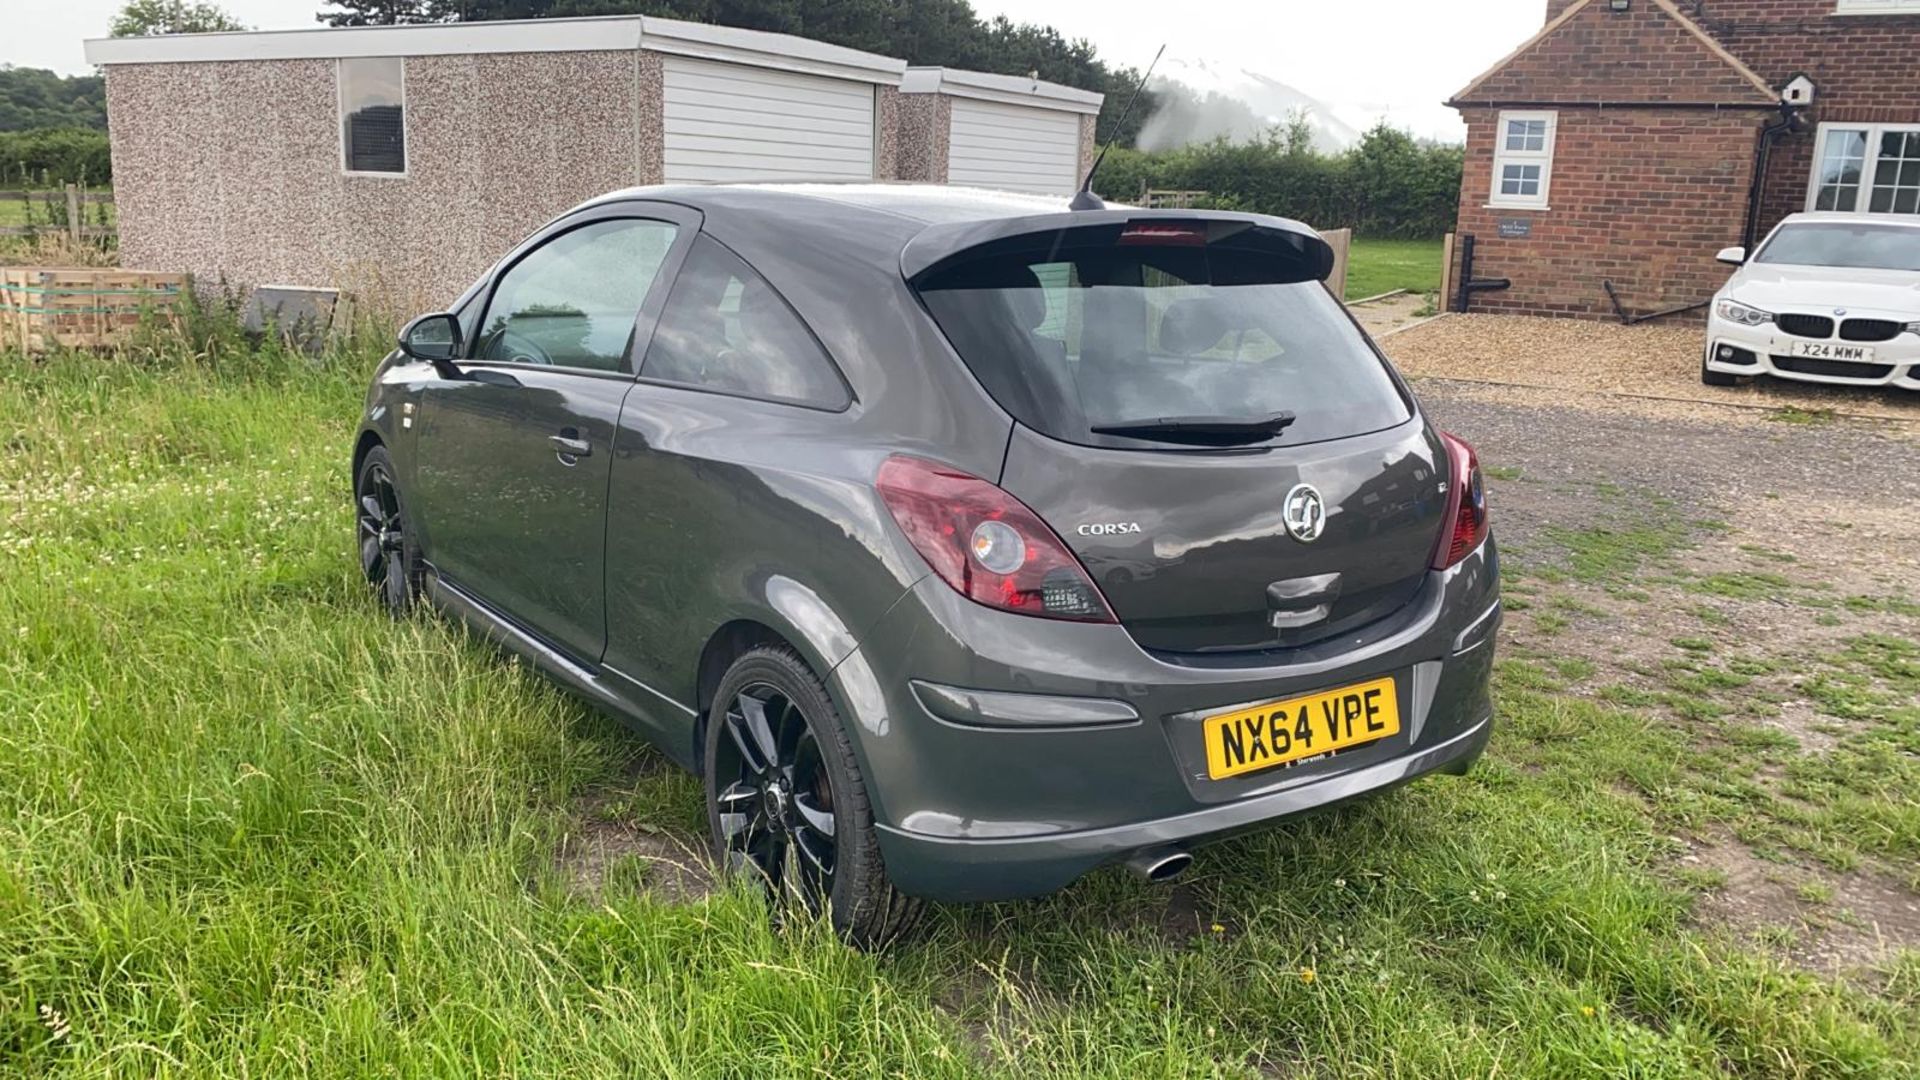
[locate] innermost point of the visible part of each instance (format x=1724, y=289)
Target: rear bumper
x=1015, y=791
x=993, y=869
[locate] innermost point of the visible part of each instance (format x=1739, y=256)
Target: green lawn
x=1377, y=266
x=250, y=826
x=15, y=211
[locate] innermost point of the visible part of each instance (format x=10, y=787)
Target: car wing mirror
x=1733, y=256
x=434, y=338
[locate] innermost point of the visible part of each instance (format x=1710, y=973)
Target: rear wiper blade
x=1201, y=430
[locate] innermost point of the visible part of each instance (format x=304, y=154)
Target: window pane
x=1896, y=175
x=572, y=303
x=373, y=129
x=1527, y=135
x=724, y=328
x=1520, y=180
x=1843, y=157
x=1836, y=197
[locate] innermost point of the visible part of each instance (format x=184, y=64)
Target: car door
x=513, y=455
x=735, y=406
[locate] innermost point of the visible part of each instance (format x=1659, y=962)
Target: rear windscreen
x=1107, y=326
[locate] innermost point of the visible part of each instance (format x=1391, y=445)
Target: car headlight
x=1913, y=328
x=1736, y=312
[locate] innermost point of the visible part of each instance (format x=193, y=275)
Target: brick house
x=1623, y=141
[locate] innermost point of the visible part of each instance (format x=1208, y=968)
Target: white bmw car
x=1827, y=298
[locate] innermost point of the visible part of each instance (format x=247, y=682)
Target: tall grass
x=251, y=826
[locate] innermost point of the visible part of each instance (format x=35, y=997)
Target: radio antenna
x=1085, y=199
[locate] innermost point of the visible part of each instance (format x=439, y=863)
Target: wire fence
x=71, y=211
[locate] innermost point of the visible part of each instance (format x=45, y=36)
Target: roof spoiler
x=940, y=243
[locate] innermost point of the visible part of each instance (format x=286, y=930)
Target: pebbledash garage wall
x=229, y=158
x=1651, y=115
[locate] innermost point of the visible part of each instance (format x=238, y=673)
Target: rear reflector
x=987, y=544
x=1166, y=234
x=1466, y=520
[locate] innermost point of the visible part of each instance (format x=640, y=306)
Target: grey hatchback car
x=961, y=542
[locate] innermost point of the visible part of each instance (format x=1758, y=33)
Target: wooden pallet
x=44, y=309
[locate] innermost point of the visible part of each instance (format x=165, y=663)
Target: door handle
x=568, y=446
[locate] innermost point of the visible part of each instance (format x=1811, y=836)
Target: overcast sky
x=1364, y=58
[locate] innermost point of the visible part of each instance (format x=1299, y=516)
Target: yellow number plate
x=1282, y=731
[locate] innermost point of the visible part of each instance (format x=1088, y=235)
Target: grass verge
x=250, y=825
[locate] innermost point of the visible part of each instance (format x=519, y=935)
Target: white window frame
x=1876, y=7
x=1503, y=157
x=1871, y=165
x=340, y=120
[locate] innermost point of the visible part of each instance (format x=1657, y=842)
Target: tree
x=945, y=33
x=36, y=98
x=145, y=18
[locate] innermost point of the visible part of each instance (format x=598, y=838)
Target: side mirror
x=1733, y=256
x=433, y=338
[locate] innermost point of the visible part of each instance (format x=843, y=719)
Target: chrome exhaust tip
x=1160, y=864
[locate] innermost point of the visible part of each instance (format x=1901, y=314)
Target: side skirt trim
x=662, y=720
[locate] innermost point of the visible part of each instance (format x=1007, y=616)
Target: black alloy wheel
x=386, y=551
x=775, y=801
x=787, y=804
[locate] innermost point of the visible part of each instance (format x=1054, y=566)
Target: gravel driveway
x=1719, y=568
x=1653, y=360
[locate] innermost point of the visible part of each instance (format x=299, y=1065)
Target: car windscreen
x=1848, y=244
x=1133, y=329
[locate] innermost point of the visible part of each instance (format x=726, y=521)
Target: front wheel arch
x=367, y=441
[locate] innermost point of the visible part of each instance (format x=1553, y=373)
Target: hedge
x=54, y=156
x=1387, y=186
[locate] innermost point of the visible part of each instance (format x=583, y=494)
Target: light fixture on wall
x=1620, y=5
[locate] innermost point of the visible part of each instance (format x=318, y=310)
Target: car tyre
x=389, y=552
x=1716, y=378
x=786, y=801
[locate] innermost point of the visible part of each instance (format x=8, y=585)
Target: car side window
x=572, y=302
x=724, y=328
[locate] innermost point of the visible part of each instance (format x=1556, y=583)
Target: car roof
x=1845, y=217
x=921, y=204
x=925, y=222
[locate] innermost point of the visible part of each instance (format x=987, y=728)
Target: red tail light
x=986, y=543
x=1466, y=505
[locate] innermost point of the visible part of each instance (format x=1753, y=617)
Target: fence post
x=1446, y=274
x=76, y=223
x=1340, y=240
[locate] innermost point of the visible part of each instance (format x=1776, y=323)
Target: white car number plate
x=1826, y=350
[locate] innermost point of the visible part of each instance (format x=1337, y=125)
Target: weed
x=1748, y=586
x=1788, y=414
x=1602, y=553
x=1759, y=552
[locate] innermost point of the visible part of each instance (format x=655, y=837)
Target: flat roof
x=731, y=44
x=1006, y=89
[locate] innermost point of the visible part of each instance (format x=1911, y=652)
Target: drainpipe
x=1789, y=120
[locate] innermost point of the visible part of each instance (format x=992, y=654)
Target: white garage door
x=1014, y=148
x=731, y=122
